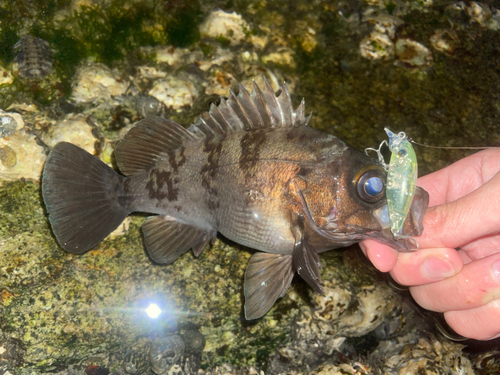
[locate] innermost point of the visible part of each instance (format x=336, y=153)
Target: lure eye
x=402, y=153
x=371, y=185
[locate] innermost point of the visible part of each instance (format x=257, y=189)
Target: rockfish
x=252, y=169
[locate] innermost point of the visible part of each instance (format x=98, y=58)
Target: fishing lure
x=401, y=180
x=402, y=173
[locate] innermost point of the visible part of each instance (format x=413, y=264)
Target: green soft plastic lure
x=402, y=173
x=401, y=180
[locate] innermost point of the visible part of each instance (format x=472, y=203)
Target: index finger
x=461, y=178
x=457, y=223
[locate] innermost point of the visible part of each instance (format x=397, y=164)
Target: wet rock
x=166, y=353
x=75, y=129
x=282, y=56
x=194, y=341
x=96, y=82
x=482, y=14
x=430, y=355
x=220, y=83
x=488, y=362
x=345, y=310
x=174, y=93
x=21, y=156
x=217, y=58
x=357, y=368
x=11, y=350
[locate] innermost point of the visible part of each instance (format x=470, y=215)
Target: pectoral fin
x=166, y=239
x=305, y=258
x=267, y=278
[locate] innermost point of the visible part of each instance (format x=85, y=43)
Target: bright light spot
x=153, y=311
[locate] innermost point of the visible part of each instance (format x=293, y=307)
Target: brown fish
x=251, y=169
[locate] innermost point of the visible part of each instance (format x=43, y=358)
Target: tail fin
x=81, y=195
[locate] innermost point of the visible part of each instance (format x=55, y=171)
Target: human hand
x=464, y=214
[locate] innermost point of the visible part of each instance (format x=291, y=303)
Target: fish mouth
x=412, y=227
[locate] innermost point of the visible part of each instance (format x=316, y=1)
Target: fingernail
x=495, y=270
x=437, y=268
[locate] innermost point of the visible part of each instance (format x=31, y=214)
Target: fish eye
x=370, y=185
x=373, y=186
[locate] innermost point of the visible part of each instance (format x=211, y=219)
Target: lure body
x=401, y=180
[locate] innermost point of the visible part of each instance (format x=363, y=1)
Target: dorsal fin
x=260, y=109
x=146, y=143
x=153, y=137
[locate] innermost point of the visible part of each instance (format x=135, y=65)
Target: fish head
x=344, y=201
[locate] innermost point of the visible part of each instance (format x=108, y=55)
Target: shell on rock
x=10, y=123
x=74, y=129
x=376, y=46
x=96, y=82
x=445, y=40
x=413, y=54
x=174, y=92
x=226, y=25
x=21, y=157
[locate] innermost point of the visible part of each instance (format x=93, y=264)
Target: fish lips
x=413, y=225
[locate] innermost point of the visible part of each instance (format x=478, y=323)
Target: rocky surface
x=428, y=68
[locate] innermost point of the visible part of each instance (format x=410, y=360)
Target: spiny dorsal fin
x=153, y=137
x=260, y=109
x=149, y=141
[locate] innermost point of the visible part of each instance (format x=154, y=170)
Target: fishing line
x=451, y=147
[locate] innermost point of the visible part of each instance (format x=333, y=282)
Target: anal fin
x=166, y=238
x=267, y=278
